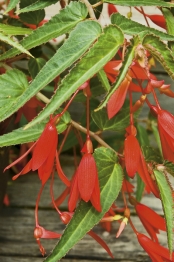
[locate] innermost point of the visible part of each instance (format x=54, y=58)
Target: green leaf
x=85, y=217
x=139, y=3
x=161, y=52
x=101, y=52
x=169, y=23
x=12, y=4
x=8, y=40
x=151, y=154
x=103, y=79
x=169, y=20
x=169, y=167
x=31, y=17
x=59, y=24
x=142, y=135
x=140, y=188
x=67, y=54
x=14, y=84
x=167, y=203
x=35, y=65
x=123, y=71
x=156, y=135
x=131, y=27
x=20, y=136
x=14, y=30
x=119, y=122
x=40, y=4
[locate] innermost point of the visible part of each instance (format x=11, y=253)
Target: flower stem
x=90, y=9
x=37, y=205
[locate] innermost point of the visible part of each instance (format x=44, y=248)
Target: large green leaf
x=67, y=54
x=139, y=3
x=119, y=122
x=14, y=30
x=102, y=52
x=20, y=136
x=110, y=178
x=131, y=27
x=123, y=71
x=13, y=84
x=12, y=4
x=40, y=4
x=161, y=52
x=8, y=40
x=167, y=203
x=59, y=24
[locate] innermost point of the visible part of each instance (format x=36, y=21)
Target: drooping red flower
x=166, y=132
x=40, y=232
x=149, y=218
x=112, y=9
x=135, y=162
x=131, y=152
x=85, y=184
x=156, y=252
x=117, y=99
x=44, y=150
x=158, y=20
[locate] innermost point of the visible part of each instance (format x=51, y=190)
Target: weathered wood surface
x=17, y=224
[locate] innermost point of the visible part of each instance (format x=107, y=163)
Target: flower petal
x=74, y=194
x=166, y=120
x=132, y=155
x=150, y=216
x=117, y=99
x=86, y=173
x=46, y=143
x=95, y=197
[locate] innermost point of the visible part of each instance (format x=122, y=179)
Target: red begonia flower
x=158, y=20
x=146, y=177
x=149, y=218
x=132, y=155
x=85, y=182
x=166, y=132
x=117, y=99
x=112, y=9
x=40, y=232
x=44, y=150
x=156, y=252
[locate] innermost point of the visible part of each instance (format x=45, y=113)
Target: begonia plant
x=108, y=70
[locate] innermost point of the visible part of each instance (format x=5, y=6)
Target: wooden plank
x=29, y=259
x=16, y=238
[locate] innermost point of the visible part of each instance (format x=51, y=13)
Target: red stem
x=131, y=115
x=37, y=205
x=87, y=116
x=156, y=99
x=52, y=195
